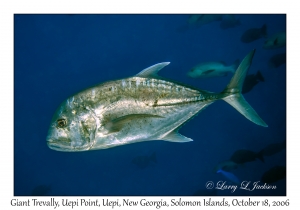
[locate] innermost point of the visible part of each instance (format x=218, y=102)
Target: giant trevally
x=136, y=109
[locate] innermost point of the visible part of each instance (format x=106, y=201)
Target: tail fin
x=259, y=76
x=233, y=90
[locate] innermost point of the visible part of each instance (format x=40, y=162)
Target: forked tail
x=233, y=96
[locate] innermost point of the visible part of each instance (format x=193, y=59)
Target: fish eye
x=61, y=123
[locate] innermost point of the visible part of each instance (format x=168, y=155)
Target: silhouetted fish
x=243, y=156
x=229, y=21
x=274, y=174
x=272, y=149
x=275, y=41
x=277, y=60
x=205, y=192
x=202, y=19
x=251, y=80
x=254, y=33
x=197, y=20
x=144, y=161
x=41, y=190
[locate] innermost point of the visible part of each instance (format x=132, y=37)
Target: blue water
x=56, y=56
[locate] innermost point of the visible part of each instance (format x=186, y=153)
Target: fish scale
x=136, y=109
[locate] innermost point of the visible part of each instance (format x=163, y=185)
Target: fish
x=212, y=69
x=144, y=161
x=243, y=156
x=229, y=21
x=254, y=34
x=274, y=174
x=251, y=80
x=198, y=20
x=41, y=190
x=141, y=108
x=277, y=60
x=275, y=41
x=230, y=176
x=273, y=149
x=227, y=165
x=202, y=19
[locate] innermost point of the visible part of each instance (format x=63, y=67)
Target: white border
x=8, y=8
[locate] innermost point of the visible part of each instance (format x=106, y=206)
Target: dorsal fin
x=151, y=72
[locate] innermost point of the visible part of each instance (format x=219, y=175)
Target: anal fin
x=174, y=136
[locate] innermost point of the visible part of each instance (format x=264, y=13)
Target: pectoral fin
x=174, y=136
x=117, y=124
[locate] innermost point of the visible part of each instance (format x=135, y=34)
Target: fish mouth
x=64, y=145
x=59, y=145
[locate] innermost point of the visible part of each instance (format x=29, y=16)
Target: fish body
x=277, y=60
x=243, y=156
x=212, y=69
x=273, y=149
x=275, y=41
x=198, y=20
x=251, y=80
x=254, y=34
x=140, y=108
x=202, y=19
x=274, y=174
x=229, y=21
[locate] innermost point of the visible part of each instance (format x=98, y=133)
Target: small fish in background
x=273, y=149
x=275, y=41
x=229, y=21
x=274, y=174
x=251, y=80
x=243, y=156
x=227, y=165
x=144, y=161
x=206, y=192
x=197, y=20
x=277, y=60
x=202, y=19
x=230, y=176
x=212, y=69
x=41, y=190
x=254, y=34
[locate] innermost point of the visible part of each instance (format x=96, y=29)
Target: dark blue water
x=56, y=56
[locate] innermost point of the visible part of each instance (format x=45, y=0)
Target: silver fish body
x=135, y=109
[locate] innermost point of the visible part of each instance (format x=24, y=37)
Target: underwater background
x=56, y=56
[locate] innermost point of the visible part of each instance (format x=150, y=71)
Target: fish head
x=72, y=128
x=193, y=72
